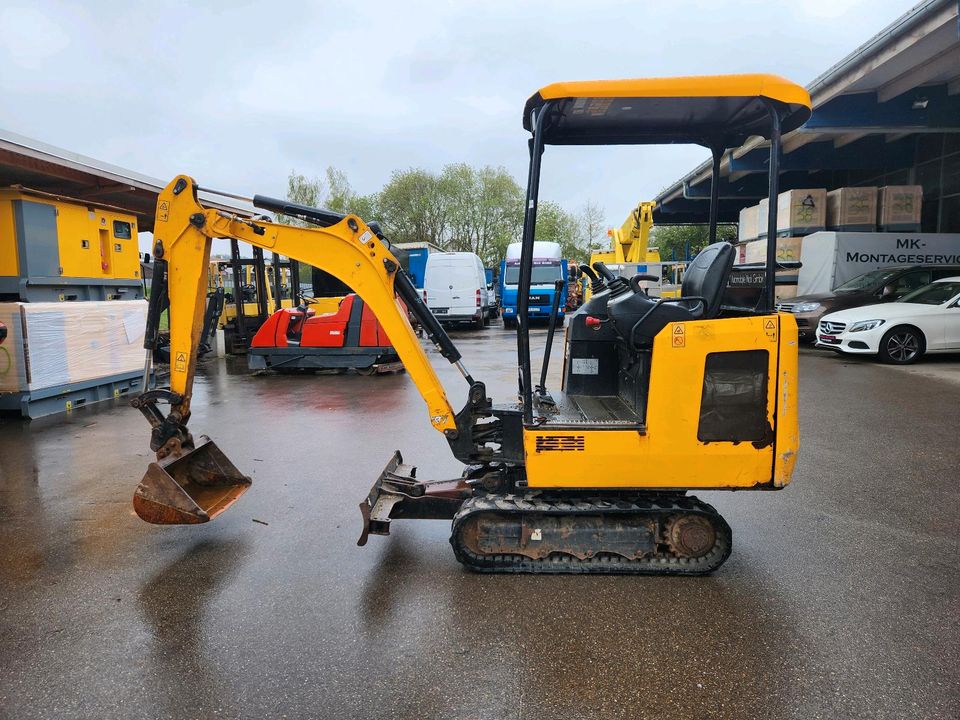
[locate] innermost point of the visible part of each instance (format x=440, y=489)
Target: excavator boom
x=193, y=482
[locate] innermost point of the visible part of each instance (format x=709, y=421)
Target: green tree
x=303, y=191
x=414, y=207
x=674, y=241
x=485, y=209
x=557, y=225
x=341, y=198
x=593, y=229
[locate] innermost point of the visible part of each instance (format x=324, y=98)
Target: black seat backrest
x=707, y=276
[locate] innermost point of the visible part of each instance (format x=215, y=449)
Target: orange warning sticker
x=770, y=328
x=679, y=336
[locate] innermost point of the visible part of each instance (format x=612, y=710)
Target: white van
x=455, y=288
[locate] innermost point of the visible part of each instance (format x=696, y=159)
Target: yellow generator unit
x=55, y=249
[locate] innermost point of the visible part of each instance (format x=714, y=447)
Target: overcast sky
x=238, y=94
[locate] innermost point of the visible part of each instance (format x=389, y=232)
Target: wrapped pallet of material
x=801, y=212
x=788, y=249
x=899, y=208
x=13, y=363
x=64, y=343
x=852, y=209
x=747, y=228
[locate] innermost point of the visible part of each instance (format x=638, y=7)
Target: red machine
x=298, y=338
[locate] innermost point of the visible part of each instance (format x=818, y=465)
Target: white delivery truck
x=455, y=288
x=830, y=259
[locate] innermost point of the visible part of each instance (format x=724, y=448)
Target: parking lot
x=840, y=598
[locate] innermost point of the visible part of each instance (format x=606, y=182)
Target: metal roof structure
x=34, y=165
x=868, y=110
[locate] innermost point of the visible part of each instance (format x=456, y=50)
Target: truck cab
x=548, y=267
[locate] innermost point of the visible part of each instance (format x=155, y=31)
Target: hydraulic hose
x=414, y=302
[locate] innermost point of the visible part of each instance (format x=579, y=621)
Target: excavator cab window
x=733, y=407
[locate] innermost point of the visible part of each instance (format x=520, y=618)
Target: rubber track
x=661, y=508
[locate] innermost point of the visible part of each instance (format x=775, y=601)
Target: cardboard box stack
x=747, y=229
x=763, y=210
x=801, y=212
x=785, y=292
x=899, y=208
x=788, y=249
x=852, y=209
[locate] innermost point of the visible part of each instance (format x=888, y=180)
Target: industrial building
x=888, y=114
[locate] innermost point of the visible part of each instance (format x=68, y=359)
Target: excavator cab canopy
x=718, y=112
x=715, y=111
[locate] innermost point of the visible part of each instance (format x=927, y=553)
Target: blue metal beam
x=751, y=187
x=680, y=211
x=869, y=153
x=923, y=109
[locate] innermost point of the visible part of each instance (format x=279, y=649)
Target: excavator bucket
x=192, y=488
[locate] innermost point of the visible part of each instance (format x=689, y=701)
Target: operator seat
x=639, y=318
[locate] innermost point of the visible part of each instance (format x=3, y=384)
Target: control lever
x=642, y=277
x=604, y=271
x=617, y=284
x=554, y=312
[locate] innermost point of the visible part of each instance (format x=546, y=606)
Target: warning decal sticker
x=679, y=336
x=770, y=328
x=181, y=363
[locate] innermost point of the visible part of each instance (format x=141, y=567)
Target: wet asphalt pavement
x=840, y=599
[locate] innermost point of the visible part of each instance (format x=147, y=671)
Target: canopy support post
x=768, y=300
x=526, y=262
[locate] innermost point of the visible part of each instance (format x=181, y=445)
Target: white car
x=923, y=321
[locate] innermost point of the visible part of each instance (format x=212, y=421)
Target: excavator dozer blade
x=192, y=488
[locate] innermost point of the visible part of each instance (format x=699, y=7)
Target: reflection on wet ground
x=839, y=600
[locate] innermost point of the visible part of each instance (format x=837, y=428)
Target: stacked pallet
x=63, y=343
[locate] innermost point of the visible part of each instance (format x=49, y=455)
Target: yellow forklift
x=660, y=396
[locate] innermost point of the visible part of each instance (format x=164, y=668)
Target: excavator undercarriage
x=496, y=530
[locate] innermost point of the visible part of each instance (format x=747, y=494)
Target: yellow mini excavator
x=660, y=396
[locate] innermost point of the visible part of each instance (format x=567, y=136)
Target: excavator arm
x=204, y=482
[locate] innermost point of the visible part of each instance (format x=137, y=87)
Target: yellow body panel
x=9, y=266
x=669, y=455
x=788, y=423
x=326, y=306
x=86, y=238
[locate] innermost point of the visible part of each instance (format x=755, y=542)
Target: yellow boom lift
x=660, y=397
x=630, y=242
